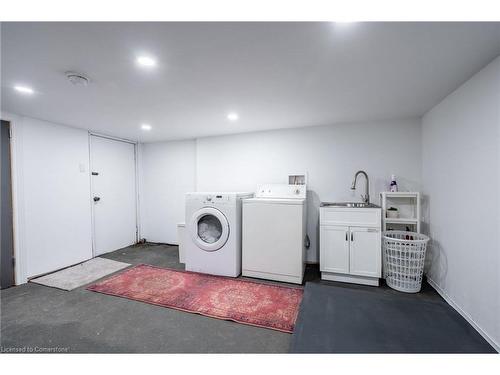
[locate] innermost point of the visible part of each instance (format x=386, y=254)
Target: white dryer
x=274, y=233
x=213, y=226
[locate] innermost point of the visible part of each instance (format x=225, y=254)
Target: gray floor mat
x=73, y=277
x=336, y=319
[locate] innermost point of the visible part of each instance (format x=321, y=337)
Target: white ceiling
x=274, y=75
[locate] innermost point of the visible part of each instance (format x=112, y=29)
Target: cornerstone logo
x=33, y=349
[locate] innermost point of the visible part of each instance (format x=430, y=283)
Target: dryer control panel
x=282, y=191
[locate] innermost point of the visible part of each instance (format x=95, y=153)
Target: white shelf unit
x=408, y=205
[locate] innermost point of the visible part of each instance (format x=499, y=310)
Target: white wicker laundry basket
x=404, y=256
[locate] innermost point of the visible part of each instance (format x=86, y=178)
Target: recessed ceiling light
x=232, y=116
x=146, y=61
x=146, y=127
x=24, y=89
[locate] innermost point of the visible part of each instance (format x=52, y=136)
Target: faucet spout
x=366, y=197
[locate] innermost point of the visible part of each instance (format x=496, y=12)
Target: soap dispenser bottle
x=394, y=186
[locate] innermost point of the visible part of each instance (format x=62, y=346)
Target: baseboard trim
x=466, y=316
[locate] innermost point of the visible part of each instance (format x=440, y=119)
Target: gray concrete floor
x=36, y=316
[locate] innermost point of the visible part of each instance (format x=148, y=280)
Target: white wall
x=52, y=196
x=330, y=155
x=461, y=176
x=168, y=172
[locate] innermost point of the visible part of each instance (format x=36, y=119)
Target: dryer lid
x=274, y=201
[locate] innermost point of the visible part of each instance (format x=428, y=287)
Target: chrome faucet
x=366, y=197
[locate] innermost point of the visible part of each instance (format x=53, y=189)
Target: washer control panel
x=216, y=198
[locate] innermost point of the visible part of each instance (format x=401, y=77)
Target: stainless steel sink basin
x=349, y=204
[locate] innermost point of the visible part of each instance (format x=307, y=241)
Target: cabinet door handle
x=347, y=239
x=352, y=237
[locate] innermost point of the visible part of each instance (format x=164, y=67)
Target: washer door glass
x=209, y=229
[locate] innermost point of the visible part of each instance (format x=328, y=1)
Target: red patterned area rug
x=242, y=301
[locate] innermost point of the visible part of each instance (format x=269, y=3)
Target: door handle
x=352, y=237
x=346, y=238
x=97, y=199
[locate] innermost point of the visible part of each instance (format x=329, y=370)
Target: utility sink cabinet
x=350, y=244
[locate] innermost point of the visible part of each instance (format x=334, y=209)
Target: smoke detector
x=77, y=79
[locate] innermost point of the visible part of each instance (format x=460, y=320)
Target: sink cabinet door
x=365, y=252
x=334, y=249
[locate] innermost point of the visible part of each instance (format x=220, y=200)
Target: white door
x=365, y=257
x=113, y=194
x=334, y=249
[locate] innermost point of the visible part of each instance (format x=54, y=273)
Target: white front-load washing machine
x=213, y=225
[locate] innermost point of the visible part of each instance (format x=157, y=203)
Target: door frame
x=136, y=184
x=12, y=201
x=17, y=185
